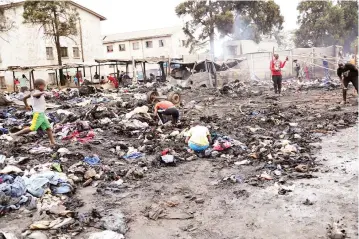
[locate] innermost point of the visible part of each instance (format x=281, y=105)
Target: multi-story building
x=167, y=42
x=27, y=45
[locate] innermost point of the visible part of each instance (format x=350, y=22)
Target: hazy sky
x=133, y=15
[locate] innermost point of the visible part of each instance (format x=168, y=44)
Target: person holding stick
x=276, y=69
x=347, y=73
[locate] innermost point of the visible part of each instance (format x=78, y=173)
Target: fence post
x=291, y=59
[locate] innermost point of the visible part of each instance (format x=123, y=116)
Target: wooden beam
x=13, y=79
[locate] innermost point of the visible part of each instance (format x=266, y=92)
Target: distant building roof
x=144, y=34
x=18, y=3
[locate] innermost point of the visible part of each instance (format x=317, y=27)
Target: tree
x=323, y=23
x=206, y=17
x=57, y=18
x=6, y=24
x=240, y=19
x=255, y=19
x=350, y=34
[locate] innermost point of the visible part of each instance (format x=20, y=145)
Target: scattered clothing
x=95, y=160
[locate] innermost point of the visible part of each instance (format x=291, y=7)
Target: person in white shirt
x=39, y=119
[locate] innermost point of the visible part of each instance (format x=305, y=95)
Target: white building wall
x=26, y=44
x=172, y=48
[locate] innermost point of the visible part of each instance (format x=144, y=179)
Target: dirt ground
x=243, y=211
x=195, y=202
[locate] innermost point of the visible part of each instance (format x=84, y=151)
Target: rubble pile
x=111, y=141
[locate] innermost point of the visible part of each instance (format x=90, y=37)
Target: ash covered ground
x=290, y=169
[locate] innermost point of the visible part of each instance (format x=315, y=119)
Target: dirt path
x=243, y=211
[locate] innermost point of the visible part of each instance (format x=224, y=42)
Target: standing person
x=39, y=119
x=23, y=84
x=16, y=83
x=198, y=138
x=276, y=68
x=326, y=68
x=76, y=81
x=166, y=108
x=96, y=76
x=297, y=67
x=347, y=73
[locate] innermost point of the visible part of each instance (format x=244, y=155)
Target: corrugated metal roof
x=144, y=34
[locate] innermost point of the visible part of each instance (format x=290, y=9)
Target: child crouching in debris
x=39, y=119
x=166, y=108
x=198, y=138
x=347, y=73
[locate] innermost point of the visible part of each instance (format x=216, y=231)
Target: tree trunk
x=211, y=42
x=58, y=49
x=211, y=30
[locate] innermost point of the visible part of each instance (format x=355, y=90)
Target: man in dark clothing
x=276, y=68
x=96, y=76
x=347, y=73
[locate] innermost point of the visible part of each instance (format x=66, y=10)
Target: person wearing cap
x=276, y=68
x=347, y=73
x=166, y=108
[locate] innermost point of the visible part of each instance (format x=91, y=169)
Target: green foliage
x=206, y=16
x=241, y=19
x=256, y=18
x=57, y=17
x=323, y=23
x=6, y=23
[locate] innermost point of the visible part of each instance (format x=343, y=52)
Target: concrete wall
x=233, y=49
x=25, y=45
x=173, y=48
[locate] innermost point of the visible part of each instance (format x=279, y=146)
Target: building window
x=149, y=44
x=64, y=52
x=110, y=48
x=161, y=43
x=49, y=53
x=122, y=47
x=111, y=66
x=76, y=52
x=135, y=45
x=183, y=43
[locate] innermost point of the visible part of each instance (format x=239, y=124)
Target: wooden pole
x=144, y=71
x=99, y=70
x=57, y=82
x=30, y=79
x=33, y=78
x=134, y=77
x=13, y=76
x=91, y=73
x=215, y=74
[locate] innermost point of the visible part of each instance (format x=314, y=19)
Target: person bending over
x=347, y=73
x=198, y=138
x=166, y=108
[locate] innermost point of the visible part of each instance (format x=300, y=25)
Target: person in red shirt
x=113, y=80
x=166, y=108
x=276, y=68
